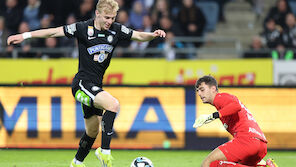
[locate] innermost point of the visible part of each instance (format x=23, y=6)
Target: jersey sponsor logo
x=253, y=130
x=71, y=29
x=90, y=31
x=124, y=29
x=110, y=38
x=100, y=47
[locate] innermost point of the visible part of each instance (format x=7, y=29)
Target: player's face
x=105, y=19
x=206, y=93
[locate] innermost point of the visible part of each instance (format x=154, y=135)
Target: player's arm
x=205, y=119
x=43, y=33
x=230, y=108
x=147, y=36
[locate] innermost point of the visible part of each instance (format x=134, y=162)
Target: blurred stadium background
x=153, y=81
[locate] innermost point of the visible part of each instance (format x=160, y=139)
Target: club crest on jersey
x=100, y=57
x=90, y=31
x=110, y=38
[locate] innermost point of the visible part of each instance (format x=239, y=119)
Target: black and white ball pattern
x=141, y=162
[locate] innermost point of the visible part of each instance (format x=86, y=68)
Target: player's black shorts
x=85, y=92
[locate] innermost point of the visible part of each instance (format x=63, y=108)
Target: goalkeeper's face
x=206, y=93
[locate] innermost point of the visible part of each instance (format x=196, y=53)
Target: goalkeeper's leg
x=243, y=152
x=220, y=163
x=270, y=163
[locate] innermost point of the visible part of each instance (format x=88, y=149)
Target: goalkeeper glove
x=205, y=119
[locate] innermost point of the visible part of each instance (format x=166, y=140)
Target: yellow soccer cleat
x=76, y=165
x=105, y=159
x=270, y=163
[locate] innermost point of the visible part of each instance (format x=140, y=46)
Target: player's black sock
x=107, y=128
x=85, y=145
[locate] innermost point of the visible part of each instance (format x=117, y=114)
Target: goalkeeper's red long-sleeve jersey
x=236, y=118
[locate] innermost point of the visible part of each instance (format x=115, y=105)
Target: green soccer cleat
x=270, y=163
x=76, y=165
x=105, y=159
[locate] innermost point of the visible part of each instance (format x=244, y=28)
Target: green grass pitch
x=123, y=158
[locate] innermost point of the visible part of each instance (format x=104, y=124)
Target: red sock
x=226, y=164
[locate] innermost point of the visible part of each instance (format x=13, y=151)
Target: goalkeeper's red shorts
x=244, y=150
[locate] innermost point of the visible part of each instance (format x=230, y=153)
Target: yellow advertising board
x=140, y=71
x=149, y=117
x=48, y=117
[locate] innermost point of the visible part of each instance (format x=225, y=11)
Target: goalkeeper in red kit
x=248, y=146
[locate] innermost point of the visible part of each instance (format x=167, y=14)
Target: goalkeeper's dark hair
x=208, y=80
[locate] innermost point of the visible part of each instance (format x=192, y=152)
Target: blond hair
x=107, y=6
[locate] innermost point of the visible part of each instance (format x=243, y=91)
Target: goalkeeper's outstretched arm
x=205, y=119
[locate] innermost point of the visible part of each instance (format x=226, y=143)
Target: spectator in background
x=192, y=20
x=169, y=46
x=166, y=24
x=13, y=15
x=257, y=6
x=3, y=36
x=123, y=18
x=31, y=14
x=58, y=10
x=278, y=13
x=136, y=15
x=26, y=45
x=271, y=34
x=147, y=23
x=281, y=53
x=50, y=43
x=221, y=4
x=257, y=49
x=289, y=33
x=160, y=10
x=49, y=10
x=46, y=21
x=147, y=4
x=86, y=10
x=70, y=42
x=125, y=4
x=147, y=27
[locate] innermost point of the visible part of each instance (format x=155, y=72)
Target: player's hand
x=15, y=39
x=203, y=119
x=159, y=33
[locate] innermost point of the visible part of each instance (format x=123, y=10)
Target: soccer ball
x=141, y=162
